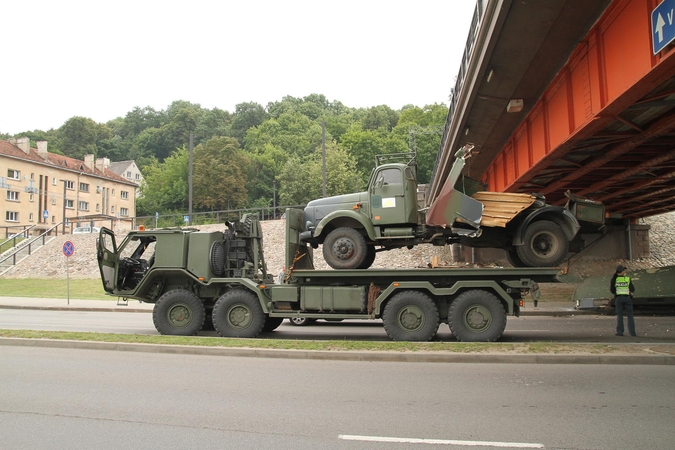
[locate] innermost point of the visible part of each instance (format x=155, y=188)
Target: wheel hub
x=477, y=318
x=180, y=315
x=344, y=249
x=411, y=318
x=239, y=316
x=544, y=244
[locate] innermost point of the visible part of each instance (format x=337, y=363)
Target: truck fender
x=346, y=218
x=558, y=214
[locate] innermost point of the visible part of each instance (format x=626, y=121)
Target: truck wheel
x=345, y=248
x=238, y=313
x=514, y=259
x=301, y=321
x=477, y=316
x=544, y=245
x=179, y=313
x=411, y=316
x=272, y=323
x=370, y=258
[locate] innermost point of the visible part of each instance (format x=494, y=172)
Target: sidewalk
x=61, y=304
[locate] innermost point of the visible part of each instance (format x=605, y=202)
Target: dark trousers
x=624, y=302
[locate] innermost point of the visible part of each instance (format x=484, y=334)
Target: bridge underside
x=601, y=125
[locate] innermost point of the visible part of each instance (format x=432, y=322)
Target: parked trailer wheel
x=544, y=245
x=477, y=316
x=345, y=248
x=411, y=316
x=301, y=321
x=179, y=313
x=238, y=313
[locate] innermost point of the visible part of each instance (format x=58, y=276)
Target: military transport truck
x=218, y=280
x=353, y=227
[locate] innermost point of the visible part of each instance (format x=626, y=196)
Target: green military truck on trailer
x=353, y=227
x=219, y=280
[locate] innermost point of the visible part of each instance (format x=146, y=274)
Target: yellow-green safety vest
x=622, y=285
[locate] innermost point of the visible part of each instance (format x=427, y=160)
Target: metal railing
x=28, y=244
x=23, y=234
x=476, y=21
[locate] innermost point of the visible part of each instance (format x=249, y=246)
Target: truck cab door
x=108, y=258
x=393, y=196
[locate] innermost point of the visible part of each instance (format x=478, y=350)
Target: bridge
x=574, y=95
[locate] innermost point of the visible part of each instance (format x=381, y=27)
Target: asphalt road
x=582, y=328
x=82, y=399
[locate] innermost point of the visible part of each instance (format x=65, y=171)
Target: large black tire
x=238, y=313
x=179, y=313
x=544, y=245
x=411, y=316
x=514, y=259
x=370, y=258
x=345, y=248
x=272, y=323
x=477, y=316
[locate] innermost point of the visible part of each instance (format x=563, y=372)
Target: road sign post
x=68, y=250
x=663, y=25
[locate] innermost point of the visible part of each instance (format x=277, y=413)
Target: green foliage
x=166, y=185
x=302, y=179
x=219, y=175
x=81, y=136
x=280, y=144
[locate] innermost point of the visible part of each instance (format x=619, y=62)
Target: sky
x=101, y=59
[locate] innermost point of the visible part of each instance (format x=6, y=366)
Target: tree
x=165, y=187
x=301, y=180
x=219, y=175
x=364, y=145
x=246, y=116
x=81, y=136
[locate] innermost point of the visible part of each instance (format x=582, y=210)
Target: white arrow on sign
x=660, y=23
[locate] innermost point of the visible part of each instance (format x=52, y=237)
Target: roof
x=59, y=162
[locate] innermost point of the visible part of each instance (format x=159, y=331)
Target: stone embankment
x=49, y=261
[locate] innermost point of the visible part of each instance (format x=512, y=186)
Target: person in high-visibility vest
x=623, y=289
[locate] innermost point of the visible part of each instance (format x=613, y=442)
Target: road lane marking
x=351, y=437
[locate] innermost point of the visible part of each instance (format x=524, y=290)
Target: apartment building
x=44, y=189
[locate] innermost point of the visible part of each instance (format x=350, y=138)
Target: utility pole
x=190, y=182
x=323, y=153
x=274, y=199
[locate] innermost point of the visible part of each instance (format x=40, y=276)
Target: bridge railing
x=477, y=19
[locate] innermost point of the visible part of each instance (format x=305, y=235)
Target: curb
x=667, y=360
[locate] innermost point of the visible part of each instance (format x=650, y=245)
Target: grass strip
x=334, y=345
x=80, y=288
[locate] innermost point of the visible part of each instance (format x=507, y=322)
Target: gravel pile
x=49, y=261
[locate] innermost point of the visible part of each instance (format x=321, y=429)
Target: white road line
x=350, y=437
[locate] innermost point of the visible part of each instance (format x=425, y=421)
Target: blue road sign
x=68, y=249
x=663, y=25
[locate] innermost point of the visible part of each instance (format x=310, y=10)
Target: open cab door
x=108, y=258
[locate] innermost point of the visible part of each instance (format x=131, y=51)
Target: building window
x=69, y=204
x=138, y=176
x=84, y=206
x=129, y=175
x=13, y=174
x=11, y=216
x=124, y=195
x=53, y=219
x=112, y=210
x=124, y=212
x=31, y=198
x=112, y=192
x=54, y=181
x=84, y=187
x=30, y=217
x=98, y=207
x=32, y=177
x=70, y=185
x=13, y=196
